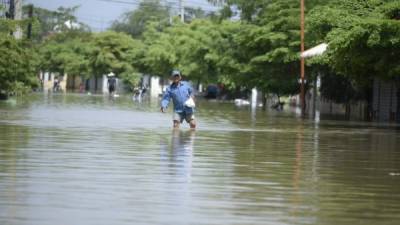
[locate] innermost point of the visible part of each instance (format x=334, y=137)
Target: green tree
x=199, y=49
x=251, y=11
x=118, y=53
x=364, y=44
x=193, y=44
x=224, y=54
x=194, y=13
x=67, y=53
x=270, y=49
x=160, y=55
x=18, y=61
x=47, y=22
x=18, y=66
x=135, y=22
x=268, y=43
x=85, y=55
x=363, y=37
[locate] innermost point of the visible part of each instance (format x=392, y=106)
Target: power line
x=200, y=4
x=89, y=18
x=139, y=2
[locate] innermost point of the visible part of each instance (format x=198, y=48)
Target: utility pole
x=11, y=11
x=30, y=14
x=302, y=91
x=182, y=9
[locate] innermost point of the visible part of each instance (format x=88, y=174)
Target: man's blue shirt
x=179, y=93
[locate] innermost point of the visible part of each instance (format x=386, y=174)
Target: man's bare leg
x=192, y=124
x=176, y=124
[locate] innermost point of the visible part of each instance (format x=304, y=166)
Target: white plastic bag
x=190, y=103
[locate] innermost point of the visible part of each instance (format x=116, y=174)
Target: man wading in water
x=182, y=96
x=111, y=83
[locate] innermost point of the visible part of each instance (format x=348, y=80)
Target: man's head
x=176, y=76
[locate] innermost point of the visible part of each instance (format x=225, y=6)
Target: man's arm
x=165, y=100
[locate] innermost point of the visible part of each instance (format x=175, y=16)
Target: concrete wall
x=156, y=86
x=385, y=104
x=385, y=101
x=75, y=83
x=357, y=109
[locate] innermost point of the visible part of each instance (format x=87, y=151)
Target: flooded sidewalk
x=79, y=159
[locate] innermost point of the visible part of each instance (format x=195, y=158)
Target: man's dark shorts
x=183, y=116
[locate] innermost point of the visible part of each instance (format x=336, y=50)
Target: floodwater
x=77, y=159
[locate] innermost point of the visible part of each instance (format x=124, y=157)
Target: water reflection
x=297, y=165
x=178, y=155
x=176, y=170
x=12, y=140
x=297, y=200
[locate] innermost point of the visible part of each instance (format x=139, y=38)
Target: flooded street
x=78, y=159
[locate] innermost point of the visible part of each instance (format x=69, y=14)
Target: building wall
x=75, y=83
x=48, y=81
x=102, y=85
x=156, y=88
x=95, y=85
x=385, y=101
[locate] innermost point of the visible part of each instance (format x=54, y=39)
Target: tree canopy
x=18, y=66
x=135, y=22
x=261, y=49
x=363, y=37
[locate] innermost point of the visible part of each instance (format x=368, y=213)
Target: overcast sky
x=99, y=14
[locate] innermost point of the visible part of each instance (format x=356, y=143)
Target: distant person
x=212, y=91
x=137, y=94
x=56, y=84
x=81, y=88
x=111, y=83
x=144, y=90
x=41, y=84
x=182, y=96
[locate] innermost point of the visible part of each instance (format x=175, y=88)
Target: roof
x=314, y=51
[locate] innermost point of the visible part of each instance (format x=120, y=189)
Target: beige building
x=49, y=79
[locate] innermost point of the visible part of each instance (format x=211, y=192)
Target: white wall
x=156, y=88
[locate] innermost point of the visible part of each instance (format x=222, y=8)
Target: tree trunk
x=264, y=100
x=398, y=106
x=368, y=106
x=95, y=84
x=348, y=111
x=73, y=82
